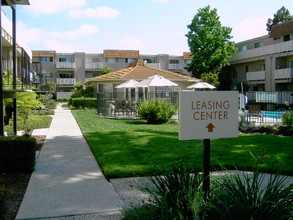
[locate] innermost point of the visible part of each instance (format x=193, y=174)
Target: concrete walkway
x=67, y=181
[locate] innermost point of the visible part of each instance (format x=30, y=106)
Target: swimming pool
x=273, y=114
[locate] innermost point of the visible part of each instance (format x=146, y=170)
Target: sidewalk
x=67, y=182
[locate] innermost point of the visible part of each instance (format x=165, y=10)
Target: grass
x=127, y=148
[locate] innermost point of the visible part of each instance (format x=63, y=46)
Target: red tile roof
x=140, y=70
x=121, y=54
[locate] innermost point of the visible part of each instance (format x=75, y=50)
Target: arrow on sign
x=210, y=127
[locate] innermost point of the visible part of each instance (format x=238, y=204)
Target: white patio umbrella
x=128, y=84
x=201, y=85
x=156, y=81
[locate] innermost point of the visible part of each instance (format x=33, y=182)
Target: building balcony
x=155, y=65
x=284, y=73
x=65, y=65
x=94, y=65
x=255, y=76
x=65, y=81
x=175, y=67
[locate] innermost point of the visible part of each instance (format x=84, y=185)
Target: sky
x=150, y=26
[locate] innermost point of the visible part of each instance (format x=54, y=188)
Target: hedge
x=2, y=204
x=17, y=154
x=79, y=102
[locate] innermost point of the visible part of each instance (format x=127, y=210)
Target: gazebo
x=106, y=85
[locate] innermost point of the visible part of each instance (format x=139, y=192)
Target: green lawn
x=127, y=148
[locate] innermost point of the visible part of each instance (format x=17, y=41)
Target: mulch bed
x=16, y=184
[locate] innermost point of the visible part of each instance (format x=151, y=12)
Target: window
x=234, y=73
x=149, y=60
x=130, y=60
x=242, y=48
x=69, y=75
x=95, y=59
x=287, y=38
x=174, y=61
x=262, y=67
x=187, y=62
x=65, y=59
x=112, y=60
x=47, y=75
x=258, y=44
x=246, y=69
x=46, y=59
x=290, y=64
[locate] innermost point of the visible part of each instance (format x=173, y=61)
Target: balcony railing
x=65, y=82
x=94, y=65
x=175, y=67
x=155, y=65
x=255, y=76
x=65, y=65
x=284, y=73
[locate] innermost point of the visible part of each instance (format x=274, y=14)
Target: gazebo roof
x=141, y=70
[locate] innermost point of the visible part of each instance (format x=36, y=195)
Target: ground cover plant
x=127, y=148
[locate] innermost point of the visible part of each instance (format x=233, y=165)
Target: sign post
x=207, y=115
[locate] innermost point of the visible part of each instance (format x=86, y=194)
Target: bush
x=48, y=101
x=156, y=111
x=287, y=119
x=17, y=154
x=2, y=204
x=79, y=102
x=43, y=112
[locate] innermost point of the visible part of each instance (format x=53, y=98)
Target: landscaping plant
x=156, y=111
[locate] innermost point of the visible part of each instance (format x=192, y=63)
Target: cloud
x=161, y=1
x=29, y=35
x=81, y=32
x=57, y=45
x=132, y=43
x=39, y=7
x=250, y=28
x=100, y=12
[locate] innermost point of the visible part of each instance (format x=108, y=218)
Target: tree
x=280, y=17
x=106, y=70
x=209, y=42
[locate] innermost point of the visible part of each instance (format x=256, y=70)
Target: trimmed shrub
x=287, y=119
x=2, y=204
x=80, y=102
x=17, y=154
x=156, y=111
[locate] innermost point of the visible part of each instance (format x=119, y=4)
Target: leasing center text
x=210, y=110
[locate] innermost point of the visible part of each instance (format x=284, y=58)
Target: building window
x=262, y=67
x=242, y=48
x=187, y=62
x=65, y=59
x=112, y=60
x=47, y=75
x=174, y=61
x=287, y=37
x=66, y=76
x=130, y=60
x=149, y=60
x=258, y=44
x=95, y=59
x=46, y=59
x=246, y=69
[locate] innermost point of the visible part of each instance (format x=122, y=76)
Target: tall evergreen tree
x=209, y=42
x=280, y=17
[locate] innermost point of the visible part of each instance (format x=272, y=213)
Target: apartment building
x=265, y=63
x=67, y=69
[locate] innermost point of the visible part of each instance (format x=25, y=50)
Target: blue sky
x=150, y=26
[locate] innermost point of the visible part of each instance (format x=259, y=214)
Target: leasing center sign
x=208, y=114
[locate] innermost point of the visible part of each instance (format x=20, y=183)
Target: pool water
x=272, y=114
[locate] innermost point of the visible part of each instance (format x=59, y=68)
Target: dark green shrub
x=43, y=112
x=251, y=196
x=156, y=111
x=80, y=102
x=2, y=204
x=17, y=154
x=48, y=101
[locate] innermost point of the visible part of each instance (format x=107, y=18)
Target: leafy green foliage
x=287, y=119
x=281, y=16
x=211, y=78
x=209, y=42
x=81, y=102
x=80, y=92
x=106, y=70
x=49, y=86
x=156, y=111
